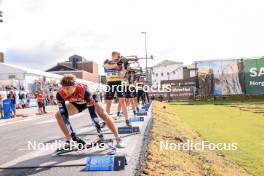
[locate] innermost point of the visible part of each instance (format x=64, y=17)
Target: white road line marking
x=37, y=118
x=47, y=121
x=22, y=120
x=21, y=149
x=54, y=137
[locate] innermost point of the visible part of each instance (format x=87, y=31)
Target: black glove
x=126, y=64
x=120, y=62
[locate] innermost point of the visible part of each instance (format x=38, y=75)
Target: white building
x=192, y=70
x=166, y=70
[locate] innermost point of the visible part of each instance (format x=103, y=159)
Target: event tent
x=14, y=73
x=9, y=71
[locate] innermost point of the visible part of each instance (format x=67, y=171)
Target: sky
x=40, y=33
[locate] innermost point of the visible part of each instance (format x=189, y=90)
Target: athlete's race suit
x=81, y=99
x=114, y=82
x=130, y=90
x=140, y=92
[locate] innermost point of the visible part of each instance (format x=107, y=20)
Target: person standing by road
x=1, y=106
x=40, y=99
x=44, y=102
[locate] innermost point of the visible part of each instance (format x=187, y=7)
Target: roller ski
x=77, y=144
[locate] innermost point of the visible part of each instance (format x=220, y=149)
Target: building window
x=161, y=74
x=174, y=72
x=157, y=75
x=168, y=73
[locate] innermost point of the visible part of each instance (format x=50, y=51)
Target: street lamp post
x=146, y=52
x=1, y=15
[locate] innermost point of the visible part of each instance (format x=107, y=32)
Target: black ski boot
x=128, y=123
x=81, y=143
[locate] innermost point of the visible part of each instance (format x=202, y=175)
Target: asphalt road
x=15, y=139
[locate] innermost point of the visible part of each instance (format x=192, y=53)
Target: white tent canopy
x=8, y=71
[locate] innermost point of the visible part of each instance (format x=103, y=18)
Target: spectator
x=40, y=99
x=21, y=97
x=52, y=99
x=24, y=101
x=27, y=99
x=44, y=101
x=1, y=106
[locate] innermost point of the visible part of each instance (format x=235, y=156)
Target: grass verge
x=221, y=123
x=170, y=126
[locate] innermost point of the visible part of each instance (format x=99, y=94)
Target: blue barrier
x=99, y=163
x=146, y=106
x=105, y=163
x=7, y=108
x=142, y=111
x=127, y=130
x=136, y=119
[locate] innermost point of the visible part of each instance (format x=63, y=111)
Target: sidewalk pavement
x=29, y=113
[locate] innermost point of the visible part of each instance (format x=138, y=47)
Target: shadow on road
x=45, y=162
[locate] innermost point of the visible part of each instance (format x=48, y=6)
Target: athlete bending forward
x=73, y=98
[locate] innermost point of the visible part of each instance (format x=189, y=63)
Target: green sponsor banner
x=254, y=76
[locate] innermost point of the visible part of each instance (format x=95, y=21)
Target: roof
x=60, y=67
x=166, y=63
x=80, y=58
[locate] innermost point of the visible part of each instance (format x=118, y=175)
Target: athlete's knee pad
x=94, y=118
x=64, y=115
x=65, y=118
x=92, y=111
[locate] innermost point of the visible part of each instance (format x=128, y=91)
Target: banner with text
x=254, y=76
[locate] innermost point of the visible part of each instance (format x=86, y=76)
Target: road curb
x=144, y=148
